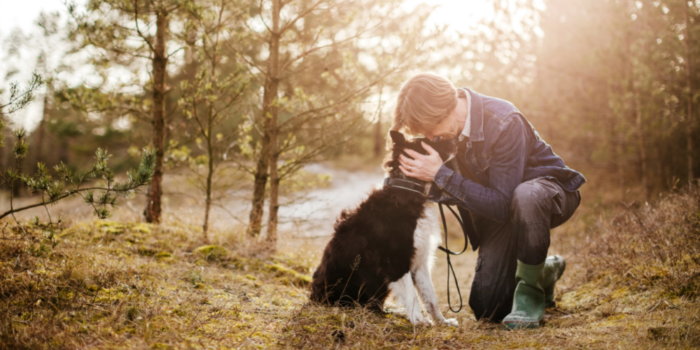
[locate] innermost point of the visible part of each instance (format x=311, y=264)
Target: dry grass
x=114, y=285
x=640, y=269
x=632, y=283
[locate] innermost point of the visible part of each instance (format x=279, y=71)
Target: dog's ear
x=397, y=137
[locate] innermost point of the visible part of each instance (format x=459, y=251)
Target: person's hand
x=421, y=167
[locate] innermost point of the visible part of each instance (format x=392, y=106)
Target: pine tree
x=109, y=29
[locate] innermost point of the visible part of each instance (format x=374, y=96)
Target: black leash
x=449, y=252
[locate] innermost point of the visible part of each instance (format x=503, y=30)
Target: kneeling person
x=508, y=179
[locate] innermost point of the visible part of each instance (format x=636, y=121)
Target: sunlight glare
x=459, y=15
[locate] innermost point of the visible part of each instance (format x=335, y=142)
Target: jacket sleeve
x=505, y=174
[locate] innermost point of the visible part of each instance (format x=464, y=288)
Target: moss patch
x=288, y=275
x=212, y=252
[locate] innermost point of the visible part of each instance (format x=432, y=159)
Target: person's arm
x=506, y=173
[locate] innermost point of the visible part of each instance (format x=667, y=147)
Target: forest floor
x=632, y=282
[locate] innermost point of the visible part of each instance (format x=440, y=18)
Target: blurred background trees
x=615, y=81
x=323, y=60
x=247, y=93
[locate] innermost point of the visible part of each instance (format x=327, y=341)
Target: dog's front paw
x=422, y=323
x=418, y=320
x=452, y=322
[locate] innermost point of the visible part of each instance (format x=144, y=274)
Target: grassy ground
x=632, y=282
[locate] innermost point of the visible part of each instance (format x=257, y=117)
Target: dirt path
x=315, y=215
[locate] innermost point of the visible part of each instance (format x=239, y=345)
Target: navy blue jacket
x=502, y=151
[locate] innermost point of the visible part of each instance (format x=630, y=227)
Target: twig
x=247, y=338
x=138, y=30
x=658, y=304
x=97, y=305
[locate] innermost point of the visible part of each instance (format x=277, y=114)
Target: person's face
x=448, y=128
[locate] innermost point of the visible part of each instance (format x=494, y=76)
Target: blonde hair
x=424, y=101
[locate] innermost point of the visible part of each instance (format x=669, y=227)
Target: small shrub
x=212, y=252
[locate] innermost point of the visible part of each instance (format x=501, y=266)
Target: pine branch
x=55, y=189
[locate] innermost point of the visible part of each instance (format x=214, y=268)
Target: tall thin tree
x=689, y=100
x=127, y=32
x=210, y=97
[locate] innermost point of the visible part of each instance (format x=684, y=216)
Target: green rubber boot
x=554, y=267
x=528, y=302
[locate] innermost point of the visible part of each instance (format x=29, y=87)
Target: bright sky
x=22, y=14
x=456, y=13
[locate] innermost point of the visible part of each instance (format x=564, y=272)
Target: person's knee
x=528, y=203
x=492, y=309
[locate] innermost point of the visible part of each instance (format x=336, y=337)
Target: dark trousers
x=537, y=206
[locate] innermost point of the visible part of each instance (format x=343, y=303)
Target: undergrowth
x=134, y=285
x=114, y=285
x=642, y=267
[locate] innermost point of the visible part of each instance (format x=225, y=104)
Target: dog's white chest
x=426, y=239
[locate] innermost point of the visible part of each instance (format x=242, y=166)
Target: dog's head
x=398, y=144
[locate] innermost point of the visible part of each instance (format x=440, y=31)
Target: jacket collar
x=476, y=133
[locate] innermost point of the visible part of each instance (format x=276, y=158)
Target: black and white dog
x=386, y=245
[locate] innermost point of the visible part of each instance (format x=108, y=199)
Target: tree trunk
x=190, y=63
x=689, y=113
x=210, y=148
x=40, y=131
x=640, y=139
x=17, y=183
x=268, y=109
x=274, y=204
x=261, y=173
x=210, y=174
x=621, y=163
x=273, y=71
x=4, y=150
x=160, y=62
x=638, y=120
x=615, y=144
x=378, y=137
x=63, y=149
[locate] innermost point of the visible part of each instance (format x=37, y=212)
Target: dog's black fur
x=373, y=244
